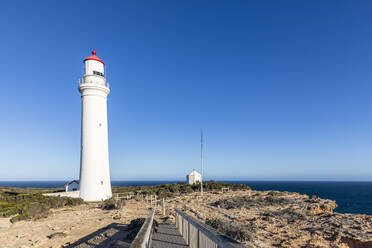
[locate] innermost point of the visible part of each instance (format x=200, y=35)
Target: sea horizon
x=180, y=180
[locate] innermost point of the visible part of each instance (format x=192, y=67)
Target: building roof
x=73, y=181
x=93, y=57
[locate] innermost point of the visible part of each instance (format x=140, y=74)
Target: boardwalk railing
x=200, y=235
x=144, y=236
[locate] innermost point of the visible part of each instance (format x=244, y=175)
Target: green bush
x=134, y=227
x=248, y=202
x=237, y=233
x=112, y=203
x=214, y=222
x=32, y=206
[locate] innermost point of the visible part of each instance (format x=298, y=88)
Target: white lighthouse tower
x=94, y=182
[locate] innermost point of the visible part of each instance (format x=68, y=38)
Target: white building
x=193, y=177
x=72, y=186
x=95, y=184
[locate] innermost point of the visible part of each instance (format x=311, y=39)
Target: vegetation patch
x=288, y=214
x=111, y=204
x=26, y=206
x=134, y=227
x=17, y=191
x=170, y=190
x=248, y=202
x=238, y=233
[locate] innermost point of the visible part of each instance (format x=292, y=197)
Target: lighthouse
x=95, y=184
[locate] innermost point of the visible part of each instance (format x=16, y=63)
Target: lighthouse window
x=98, y=73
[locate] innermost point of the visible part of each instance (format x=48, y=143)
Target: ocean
x=351, y=197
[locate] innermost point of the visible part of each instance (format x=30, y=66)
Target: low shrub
x=136, y=223
x=237, y=233
x=288, y=214
x=248, y=202
x=214, y=222
x=32, y=206
x=134, y=227
x=112, y=203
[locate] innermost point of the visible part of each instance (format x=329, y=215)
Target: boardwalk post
x=163, y=207
x=188, y=233
x=176, y=220
x=182, y=220
x=198, y=239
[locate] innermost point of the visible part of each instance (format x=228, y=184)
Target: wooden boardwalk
x=168, y=236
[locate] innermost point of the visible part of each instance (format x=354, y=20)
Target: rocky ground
x=279, y=219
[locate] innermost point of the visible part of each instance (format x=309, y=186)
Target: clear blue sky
x=283, y=89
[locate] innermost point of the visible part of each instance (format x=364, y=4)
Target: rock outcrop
x=283, y=219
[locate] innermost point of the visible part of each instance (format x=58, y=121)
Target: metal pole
x=201, y=182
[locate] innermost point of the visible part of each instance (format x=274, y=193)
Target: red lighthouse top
x=93, y=57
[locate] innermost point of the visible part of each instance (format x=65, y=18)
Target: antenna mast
x=201, y=182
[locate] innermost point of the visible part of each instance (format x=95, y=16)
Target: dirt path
x=66, y=226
